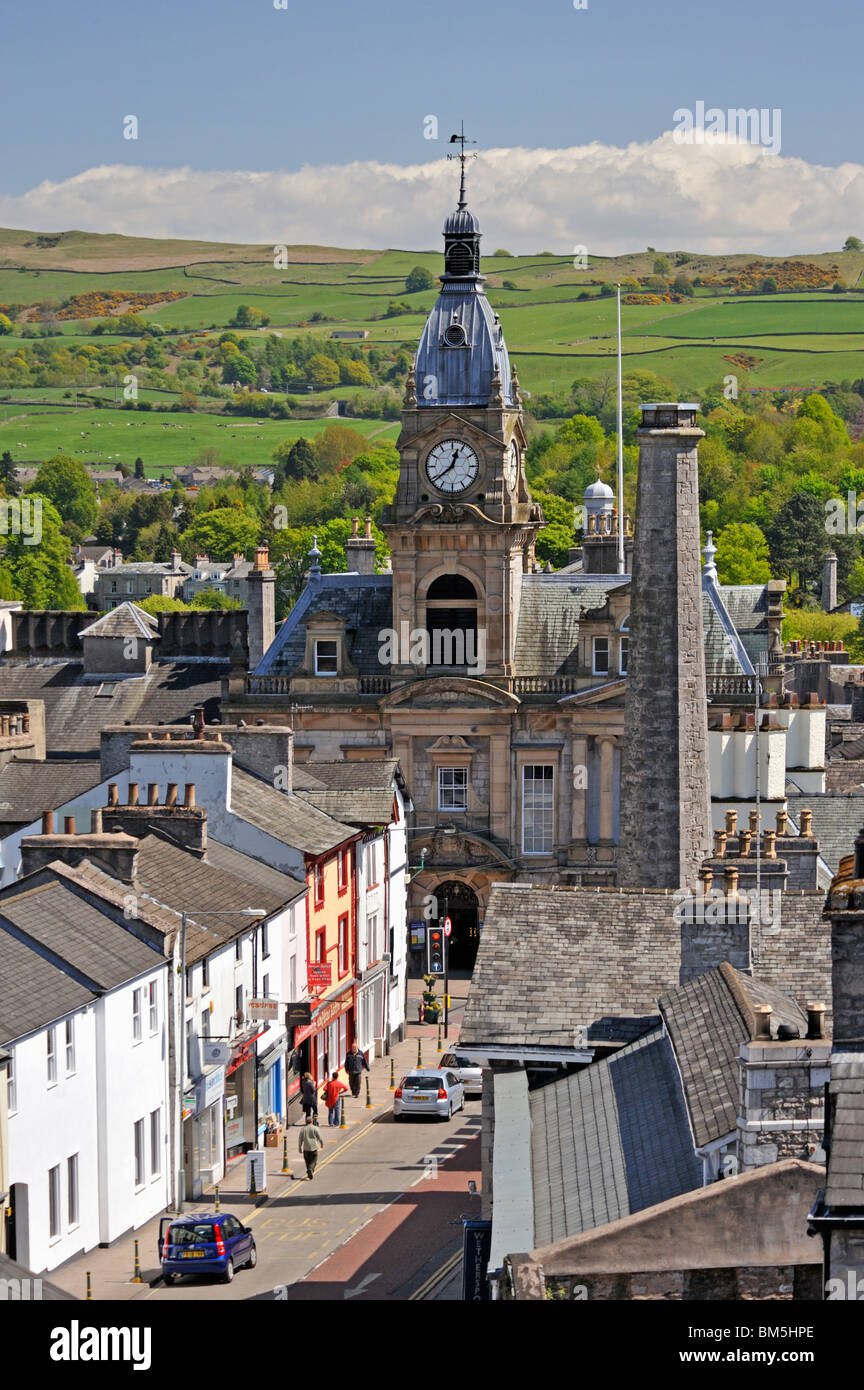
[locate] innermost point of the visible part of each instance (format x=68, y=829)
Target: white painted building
x=88, y=1036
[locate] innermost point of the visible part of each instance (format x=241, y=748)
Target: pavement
x=381, y=1219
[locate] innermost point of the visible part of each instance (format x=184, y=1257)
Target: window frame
x=342, y=871
x=69, y=1046
x=319, y=888
x=441, y=773
x=73, y=1205
x=623, y=653
x=156, y=1143
x=137, y=1020
x=595, y=669
x=138, y=1155
x=51, y=1056
x=11, y=1086
x=153, y=1006
x=318, y=642
x=55, y=1220
x=525, y=810
x=342, y=928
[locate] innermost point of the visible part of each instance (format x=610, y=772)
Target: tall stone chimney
x=829, y=583
x=360, y=550
x=261, y=606
x=665, y=810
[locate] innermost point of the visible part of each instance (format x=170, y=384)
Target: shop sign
x=216, y=1052
x=211, y=1088
x=264, y=1010
x=319, y=974
x=324, y=1017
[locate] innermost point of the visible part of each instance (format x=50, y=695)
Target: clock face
x=452, y=466
x=513, y=464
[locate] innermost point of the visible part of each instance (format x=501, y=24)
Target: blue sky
x=222, y=84
x=237, y=85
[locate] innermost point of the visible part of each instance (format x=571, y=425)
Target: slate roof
x=77, y=932
x=132, y=567
x=48, y=1292
x=274, y=882
x=358, y=793
x=75, y=712
x=707, y=1020
x=126, y=620
x=33, y=992
x=845, y=1186
x=28, y=788
x=610, y=1140
x=837, y=818
x=288, y=816
x=552, y=960
x=547, y=637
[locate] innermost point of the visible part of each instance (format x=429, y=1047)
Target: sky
x=309, y=122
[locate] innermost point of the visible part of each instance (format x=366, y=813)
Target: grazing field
x=34, y=433
x=554, y=335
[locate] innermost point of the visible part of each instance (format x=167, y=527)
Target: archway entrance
x=458, y=901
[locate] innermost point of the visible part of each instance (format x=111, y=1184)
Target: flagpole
x=621, y=560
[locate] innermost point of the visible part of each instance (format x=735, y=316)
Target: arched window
x=460, y=259
x=451, y=621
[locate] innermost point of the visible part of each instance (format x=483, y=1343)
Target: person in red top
x=330, y=1096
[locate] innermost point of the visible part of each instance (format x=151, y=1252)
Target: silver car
x=428, y=1091
x=470, y=1073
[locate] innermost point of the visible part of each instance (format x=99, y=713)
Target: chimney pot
x=731, y=822
x=719, y=844
x=96, y=821
x=730, y=880
x=754, y=822
x=707, y=877
x=47, y=822
x=153, y=794
x=189, y=798
x=770, y=842
x=113, y=795
x=815, y=1019
x=68, y=825
x=763, y=1021
x=807, y=823
x=133, y=794
x=744, y=843
x=782, y=822
x=171, y=794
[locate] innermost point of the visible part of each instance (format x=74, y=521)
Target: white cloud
x=726, y=196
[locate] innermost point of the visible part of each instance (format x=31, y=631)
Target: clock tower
x=462, y=524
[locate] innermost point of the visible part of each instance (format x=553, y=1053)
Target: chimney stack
x=815, y=1020
x=360, y=550
x=829, y=583
x=664, y=759
x=807, y=823
x=261, y=606
x=731, y=822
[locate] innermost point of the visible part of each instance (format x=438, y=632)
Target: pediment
x=462, y=850
x=447, y=692
x=449, y=423
x=611, y=692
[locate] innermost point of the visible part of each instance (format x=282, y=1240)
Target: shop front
x=203, y=1150
x=241, y=1109
x=370, y=1012
x=320, y=1046
x=271, y=1084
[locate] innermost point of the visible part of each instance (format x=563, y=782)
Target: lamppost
x=258, y=913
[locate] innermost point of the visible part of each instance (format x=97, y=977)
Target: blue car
x=208, y=1243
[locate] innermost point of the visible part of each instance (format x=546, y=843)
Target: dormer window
x=326, y=658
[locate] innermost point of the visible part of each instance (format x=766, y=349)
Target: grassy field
x=553, y=336
x=34, y=433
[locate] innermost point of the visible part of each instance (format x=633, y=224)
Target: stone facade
x=781, y=1101
x=665, y=812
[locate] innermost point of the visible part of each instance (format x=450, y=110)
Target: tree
x=322, y=371
x=607, y=289
x=798, y=540
x=418, y=279
x=661, y=265
x=139, y=468
x=240, y=369
x=338, y=443
x=222, y=533
x=6, y=325
x=556, y=537
x=853, y=243
x=355, y=373
x=66, y=482
x=742, y=555
x=9, y=475
x=39, y=574
x=769, y=285
x=296, y=460
x=213, y=598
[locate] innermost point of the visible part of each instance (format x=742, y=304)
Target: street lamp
x=257, y=913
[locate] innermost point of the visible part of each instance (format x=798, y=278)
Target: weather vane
x=462, y=140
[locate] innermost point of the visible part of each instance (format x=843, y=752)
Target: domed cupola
x=462, y=357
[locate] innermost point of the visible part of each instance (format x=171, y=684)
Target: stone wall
x=775, y=1283
x=781, y=1101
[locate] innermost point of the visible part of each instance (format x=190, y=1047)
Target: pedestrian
x=310, y=1143
x=330, y=1096
x=309, y=1098
x=355, y=1063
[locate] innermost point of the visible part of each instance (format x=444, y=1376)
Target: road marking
x=428, y=1285
x=358, y=1288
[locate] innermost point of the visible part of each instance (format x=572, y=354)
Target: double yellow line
x=436, y=1278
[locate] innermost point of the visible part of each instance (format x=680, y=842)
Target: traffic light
x=435, y=938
